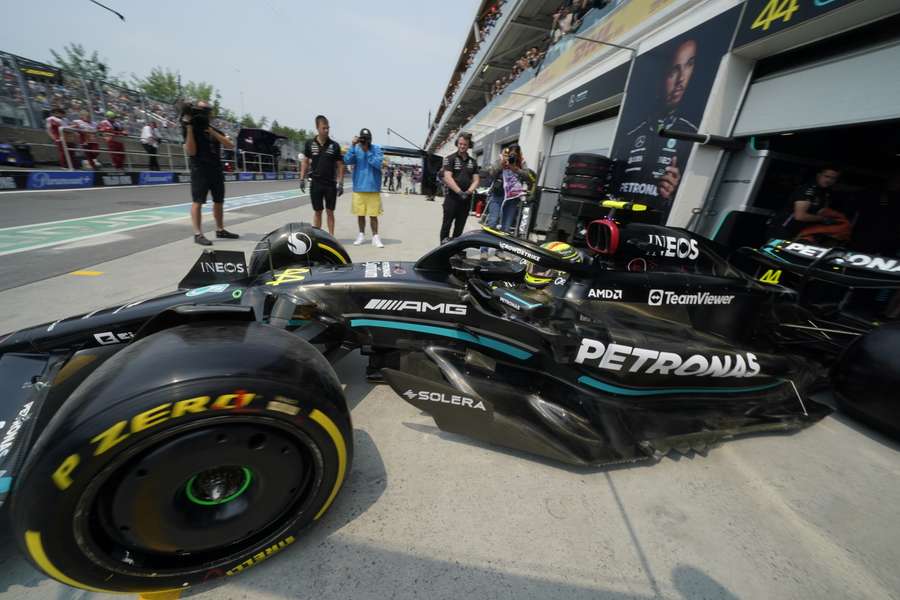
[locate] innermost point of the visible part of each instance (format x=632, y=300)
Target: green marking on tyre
x=188, y=489
x=237, y=294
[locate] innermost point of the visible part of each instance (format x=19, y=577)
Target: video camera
x=199, y=116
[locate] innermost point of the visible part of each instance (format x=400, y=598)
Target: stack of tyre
x=586, y=182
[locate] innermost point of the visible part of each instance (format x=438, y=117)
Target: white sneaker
x=360, y=238
x=376, y=241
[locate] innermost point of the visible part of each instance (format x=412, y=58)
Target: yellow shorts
x=366, y=204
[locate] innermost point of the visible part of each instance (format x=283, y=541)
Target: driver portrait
x=653, y=164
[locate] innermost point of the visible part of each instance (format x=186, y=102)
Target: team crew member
x=112, y=130
x=150, y=141
x=805, y=203
x=366, y=158
x=461, y=178
x=323, y=162
x=55, y=121
x=89, y=146
x=203, y=144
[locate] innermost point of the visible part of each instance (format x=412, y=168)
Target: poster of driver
x=669, y=87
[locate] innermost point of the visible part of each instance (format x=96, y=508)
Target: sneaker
x=199, y=238
x=360, y=238
x=224, y=233
x=376, y=241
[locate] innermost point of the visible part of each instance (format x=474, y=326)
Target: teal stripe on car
x=518, y=300
x=615, y=389
x=456, y=334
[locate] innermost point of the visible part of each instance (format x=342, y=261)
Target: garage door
x=596, y=137
x=854, y=88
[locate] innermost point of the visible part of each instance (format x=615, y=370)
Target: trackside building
x=793, y=85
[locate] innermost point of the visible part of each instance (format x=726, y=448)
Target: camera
x=199, y=115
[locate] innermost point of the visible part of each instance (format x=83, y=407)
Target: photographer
x=515, y=181
x=460, y=175
x=203, y=144
x=366, y=159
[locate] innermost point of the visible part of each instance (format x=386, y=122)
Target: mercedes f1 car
x=190, y=436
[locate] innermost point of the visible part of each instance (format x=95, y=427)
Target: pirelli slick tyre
x=192, y=454
x=590, y=165
x=584, y=187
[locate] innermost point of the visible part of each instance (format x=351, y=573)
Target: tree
x=161, y=84
x=75, y=59
x=247, y=121
x=262, y=122
x=200, y=90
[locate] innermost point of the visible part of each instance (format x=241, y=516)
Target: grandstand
x=29, y=89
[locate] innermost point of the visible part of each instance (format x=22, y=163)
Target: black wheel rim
x=161, y=509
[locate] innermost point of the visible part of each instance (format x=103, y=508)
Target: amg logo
x=618, y=357
x=220, y=267
x=427, y=396
x=518, y=250
x=445, y=308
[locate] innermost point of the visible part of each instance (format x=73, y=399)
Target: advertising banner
x=113, y=180
x=52, y=180
x=290, y=175
x=155, y=177
x=669, y=87
x=245, y=176
x=228, y=177
x=271, y=175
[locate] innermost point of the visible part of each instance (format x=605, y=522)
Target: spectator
x=516, y=179
x=112, y=130
x=399, y=185
x=461, y=178
x=387, y=175
x=87, y=140
x=203, y=144
x=55, y=122
x=150, y=141
x=366, y=159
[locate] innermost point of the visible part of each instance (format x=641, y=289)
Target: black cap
x=365, y=133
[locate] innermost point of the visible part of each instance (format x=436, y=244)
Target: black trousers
x=456, y=211
x=151, y=150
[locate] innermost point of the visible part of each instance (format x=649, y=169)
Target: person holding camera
x=460, y=175
x=203, y=144
x=326, y=175
x=515, y=181
x=366, y=159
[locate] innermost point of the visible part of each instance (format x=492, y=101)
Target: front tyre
x=195, y=453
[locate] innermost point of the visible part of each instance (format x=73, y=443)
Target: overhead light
x=791, y=133
x=484, y=70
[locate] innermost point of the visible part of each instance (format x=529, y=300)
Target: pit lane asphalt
x=32, y=208
x=425, y=514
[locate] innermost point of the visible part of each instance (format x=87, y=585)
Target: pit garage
x=822, y=105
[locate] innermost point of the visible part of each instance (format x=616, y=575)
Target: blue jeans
x=493, y=211
x=509, y=210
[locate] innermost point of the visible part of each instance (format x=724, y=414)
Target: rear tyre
x=194, y=453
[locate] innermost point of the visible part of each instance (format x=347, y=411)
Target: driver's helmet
x=537, y=276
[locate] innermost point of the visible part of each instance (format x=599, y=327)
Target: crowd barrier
x=57, y=180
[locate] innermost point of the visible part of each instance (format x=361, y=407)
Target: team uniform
x=54, y=124
x=463, y=170
x=784, y=225
x=113, y=130
x=647, y=155
x=206, y=169
x=323, y=159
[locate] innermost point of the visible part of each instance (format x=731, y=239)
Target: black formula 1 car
x=190, y=436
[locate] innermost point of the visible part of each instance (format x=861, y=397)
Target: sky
x=360, y=63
